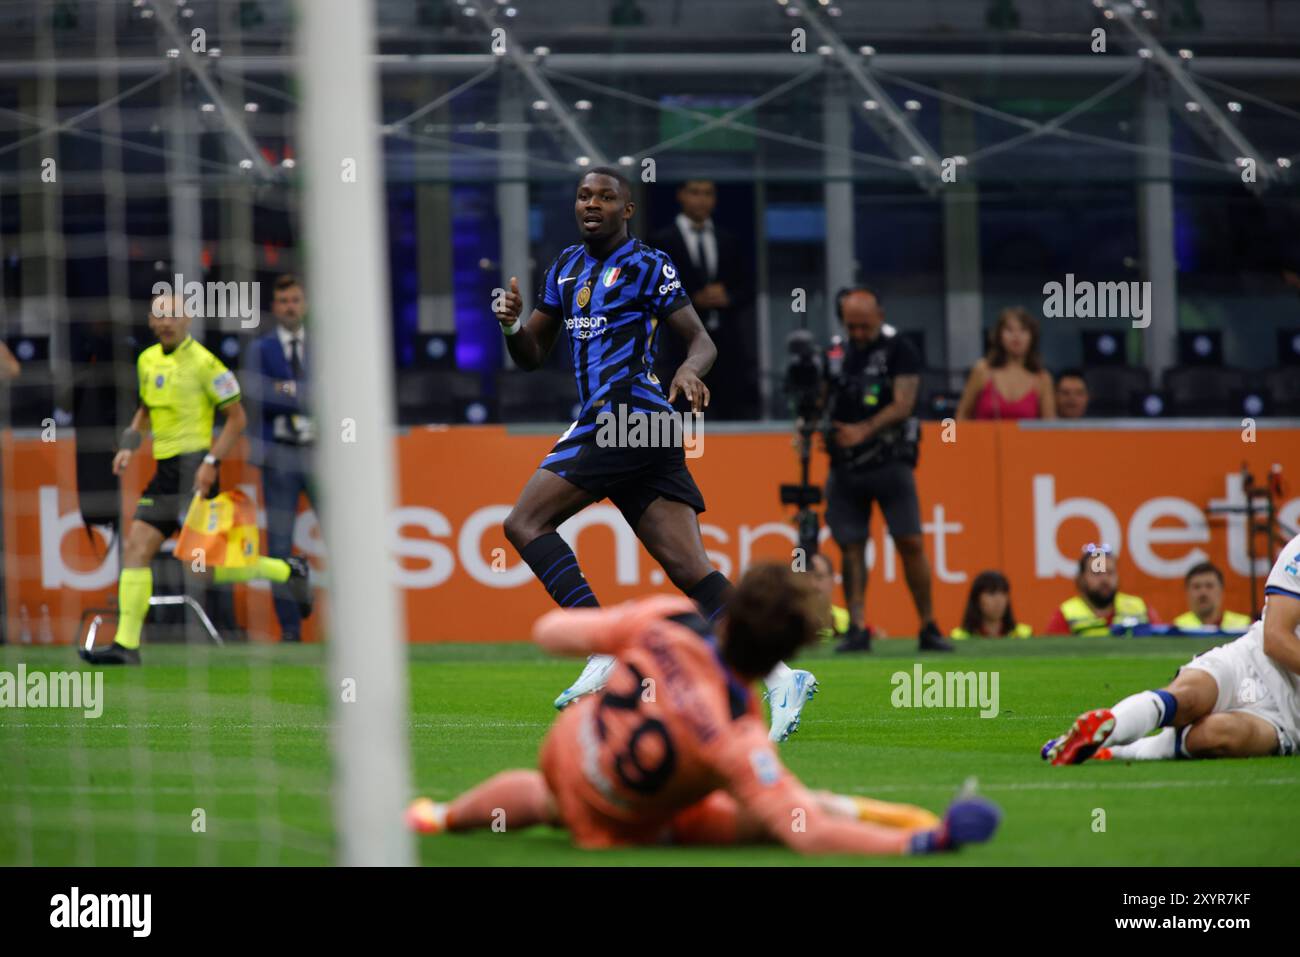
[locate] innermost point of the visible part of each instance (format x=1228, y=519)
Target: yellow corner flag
x=222, y=530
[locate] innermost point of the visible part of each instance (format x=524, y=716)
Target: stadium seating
x=427, y=395
x=1283, y=385
x=1112, y=388
x=1202, y=390
x=544, y=395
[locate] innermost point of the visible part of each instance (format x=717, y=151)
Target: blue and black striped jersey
x=612, y=309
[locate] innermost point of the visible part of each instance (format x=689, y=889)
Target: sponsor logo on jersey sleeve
x=226, y=385
x=669, y=272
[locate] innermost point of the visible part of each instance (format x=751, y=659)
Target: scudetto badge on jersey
x=226, y=386
x=584, y=297
x=611, y=276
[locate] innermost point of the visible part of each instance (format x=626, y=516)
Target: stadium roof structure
x=881, y=76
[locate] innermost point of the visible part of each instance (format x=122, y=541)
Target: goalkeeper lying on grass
x=674, y=749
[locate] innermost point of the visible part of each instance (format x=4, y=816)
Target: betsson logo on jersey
x=585, y=327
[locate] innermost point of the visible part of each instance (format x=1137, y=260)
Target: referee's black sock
x=711, y=593
x=556, y=567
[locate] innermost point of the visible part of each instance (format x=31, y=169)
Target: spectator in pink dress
x=1010, y=381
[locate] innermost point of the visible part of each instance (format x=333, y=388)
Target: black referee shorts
x=166, y=499
x=631, y=478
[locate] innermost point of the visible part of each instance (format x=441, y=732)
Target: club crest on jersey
x=584, y=297
x=158, y=382
x=611, y=276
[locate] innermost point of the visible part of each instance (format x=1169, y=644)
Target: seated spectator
x=835, y=620
x=1010, y=381
x=1099, y=602
x=988, y=610
x=1071, y=395
x=1204, y=584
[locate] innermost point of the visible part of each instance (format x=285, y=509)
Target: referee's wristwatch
x=211, y=459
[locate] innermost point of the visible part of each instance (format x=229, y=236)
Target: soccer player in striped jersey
x=1238, y=700
x=613, y=294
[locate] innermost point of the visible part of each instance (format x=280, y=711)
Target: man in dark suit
x=280, y=430
x=716, y=271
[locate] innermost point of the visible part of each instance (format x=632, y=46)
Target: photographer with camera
x=872, y=437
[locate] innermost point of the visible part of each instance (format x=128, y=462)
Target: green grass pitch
x=241, y=734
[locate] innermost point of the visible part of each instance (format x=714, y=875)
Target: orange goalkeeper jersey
x=673, y=724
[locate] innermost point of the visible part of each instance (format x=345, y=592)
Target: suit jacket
x=733, y=381
x=270, y=411
x=735, y=268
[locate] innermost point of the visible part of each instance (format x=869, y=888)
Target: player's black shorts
x=166, y=500
x=630, y=476
x=849, y=496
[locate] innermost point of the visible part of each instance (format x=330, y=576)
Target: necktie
x=295, y=358
x=701, y=259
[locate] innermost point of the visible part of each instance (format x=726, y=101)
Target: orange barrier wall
x=1020, y=499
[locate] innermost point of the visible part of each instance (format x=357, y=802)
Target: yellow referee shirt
x=182, y=389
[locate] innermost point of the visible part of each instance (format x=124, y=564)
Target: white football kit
x=1248, y=679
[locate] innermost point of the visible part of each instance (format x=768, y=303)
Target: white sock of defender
x=1135, y=717
x=777, y=675
x=1155, y=747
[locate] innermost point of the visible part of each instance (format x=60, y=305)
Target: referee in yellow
x=181, y=386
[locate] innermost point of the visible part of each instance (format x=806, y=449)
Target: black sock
x=711, y=593
x=556, y=567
